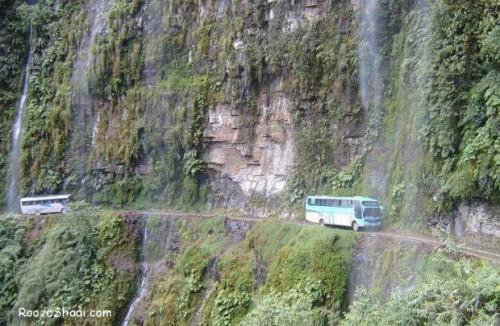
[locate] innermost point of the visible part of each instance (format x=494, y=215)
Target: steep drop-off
x=201, y=271
x=84, y=261
x=185, y=269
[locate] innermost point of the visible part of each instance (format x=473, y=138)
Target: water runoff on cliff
x=85, y=115
x=16, y=141
x=159, y=237
x=144, y=275
x=375, y=35
x=372, y=251
x=371, y=87
x=368, y=53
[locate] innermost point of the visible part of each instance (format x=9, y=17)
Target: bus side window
x=328, y=202
x=346, y=203
x=311, y=201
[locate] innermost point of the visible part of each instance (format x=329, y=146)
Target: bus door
x=358, y=211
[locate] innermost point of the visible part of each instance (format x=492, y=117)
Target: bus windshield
x=372, y=212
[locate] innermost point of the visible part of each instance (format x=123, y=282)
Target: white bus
x=45, y=204
x=355, y=212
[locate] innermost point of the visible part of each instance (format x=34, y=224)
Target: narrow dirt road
x=491, y=256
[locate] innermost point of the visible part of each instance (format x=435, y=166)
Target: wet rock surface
x=383, y=265
x=236, y=229
x=478, y=218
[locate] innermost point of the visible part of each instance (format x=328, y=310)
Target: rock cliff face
x=479, y=218
x=256, y=104
x=85, y=114
x=230, y=97
x=257, y=155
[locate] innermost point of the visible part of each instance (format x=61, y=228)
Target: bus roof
x=45, y=197
x=362, y=198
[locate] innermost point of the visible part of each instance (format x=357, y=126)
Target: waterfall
x=382, y=265
x=160, y=236
x=145, y=276
x=83, y=83
x=371, y=87
x=17, y=130
x=368, y=53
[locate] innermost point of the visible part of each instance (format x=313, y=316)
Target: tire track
x=493, y=257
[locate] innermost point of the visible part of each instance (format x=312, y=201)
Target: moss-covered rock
x=218, y=272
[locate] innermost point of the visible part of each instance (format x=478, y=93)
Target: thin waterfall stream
x=16, y=142
x=372, y=253
x=160, y=236
x=144, y=275
x=85, y=115
x=372, y=84
x=368, y=52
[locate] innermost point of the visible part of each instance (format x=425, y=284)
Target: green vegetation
x=80, y=261
x=226, y=272
x=13, y=48
x=448, y=292
x=306, y=266
x=56, y=34
x=158, y=69
x=461, y=129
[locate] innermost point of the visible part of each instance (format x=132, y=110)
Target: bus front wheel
x=355, y=227
x=322, y=222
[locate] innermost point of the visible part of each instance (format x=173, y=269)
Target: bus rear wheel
x=355, y=227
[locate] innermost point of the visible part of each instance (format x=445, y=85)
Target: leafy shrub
x=13, y=255
x=455, y=293
x=228, y=305
x=71, y=264
x=298, y=306
x=322, y=256
x=459, y=129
